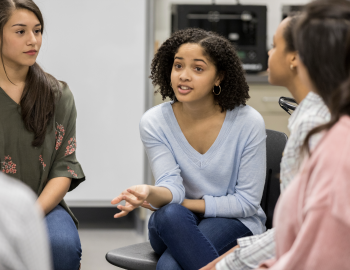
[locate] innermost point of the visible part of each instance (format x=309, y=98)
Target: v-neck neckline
x=8, y=97
x=201, y=160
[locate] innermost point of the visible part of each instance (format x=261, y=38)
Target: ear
x=293, y=59
x=219, y=78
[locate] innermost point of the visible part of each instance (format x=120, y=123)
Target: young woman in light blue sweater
x=207, y=152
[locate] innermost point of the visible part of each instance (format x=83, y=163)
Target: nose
x=185, y=75
x=269, y=52
x=32, y=41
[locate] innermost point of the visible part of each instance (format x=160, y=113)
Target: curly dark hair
x=219, y=50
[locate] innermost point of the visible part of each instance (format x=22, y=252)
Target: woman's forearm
x=196, y=206
x=159, y=196
x=53, y=193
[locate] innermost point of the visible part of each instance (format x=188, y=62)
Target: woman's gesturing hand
x=133, y=197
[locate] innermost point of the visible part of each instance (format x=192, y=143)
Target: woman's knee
x=64, y=240
x=66, y=250
x=168, y=215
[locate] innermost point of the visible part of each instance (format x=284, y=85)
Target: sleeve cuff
x=155, y=208
x=210, y=206
x=177, y=198
x=173, y=191
x=247, y=241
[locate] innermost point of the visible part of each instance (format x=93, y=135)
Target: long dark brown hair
x=322, y=38
x=288, y=32
x=41, y=90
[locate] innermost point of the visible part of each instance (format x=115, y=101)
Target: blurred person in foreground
x=312, y=217
x=23, y=234
x=311, y=112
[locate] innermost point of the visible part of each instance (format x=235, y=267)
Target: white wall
x=274, y=13
x=99, y=49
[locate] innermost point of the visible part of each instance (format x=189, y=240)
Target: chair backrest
x=275, y=143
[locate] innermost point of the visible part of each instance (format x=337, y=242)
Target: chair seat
x=134, y=257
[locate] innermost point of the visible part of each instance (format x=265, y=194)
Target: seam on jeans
x=205, y=238
x=210, y=243
x=246, y=234
x=154, y=228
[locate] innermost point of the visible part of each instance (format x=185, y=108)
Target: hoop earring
x=216, y=94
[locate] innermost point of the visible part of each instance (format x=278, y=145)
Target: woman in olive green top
x=37, y=127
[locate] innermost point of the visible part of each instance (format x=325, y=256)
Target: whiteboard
x=100, y=49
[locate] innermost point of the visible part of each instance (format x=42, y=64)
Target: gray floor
x=97, y=242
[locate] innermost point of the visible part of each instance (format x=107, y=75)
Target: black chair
x=142, y=257
x=275, y=143
x=288, y=104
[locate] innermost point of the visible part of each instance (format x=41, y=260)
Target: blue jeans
x=64, y=239
x=188, y=241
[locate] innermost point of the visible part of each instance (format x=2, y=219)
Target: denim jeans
x=188, y=241
x=64, y=239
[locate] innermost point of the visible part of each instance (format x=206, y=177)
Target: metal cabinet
x=264, y=98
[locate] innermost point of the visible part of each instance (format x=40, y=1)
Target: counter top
x=258, y=78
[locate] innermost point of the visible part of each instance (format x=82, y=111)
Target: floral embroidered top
x=35, y=166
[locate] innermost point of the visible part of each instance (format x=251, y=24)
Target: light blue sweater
x=230, y=176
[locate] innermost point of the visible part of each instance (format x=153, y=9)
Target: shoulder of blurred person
x=330, y=166
x=23, y=233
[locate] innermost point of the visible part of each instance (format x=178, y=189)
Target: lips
x=32, y=52
x=184, y=89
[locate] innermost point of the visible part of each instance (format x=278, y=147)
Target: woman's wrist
x=185, y=203
x=197, y=206
x=151, y=191
x=158, y=196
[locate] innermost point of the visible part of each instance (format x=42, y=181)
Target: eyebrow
x=20, y=24
x=176, y=57
x=200, y=60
